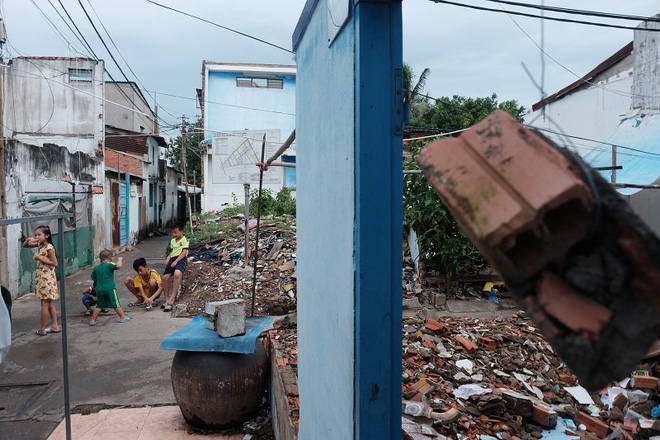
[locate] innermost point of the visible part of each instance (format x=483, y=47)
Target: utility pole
x=183, y=165
x=4, y=263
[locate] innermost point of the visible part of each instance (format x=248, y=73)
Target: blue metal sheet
x=123, y=214
x=197, y=336
x=638, y=152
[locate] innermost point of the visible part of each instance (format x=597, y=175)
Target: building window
x=80, y=75
x=263, y=83
x=289, y=172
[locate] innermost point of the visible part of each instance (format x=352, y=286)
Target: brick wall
x=129, y=164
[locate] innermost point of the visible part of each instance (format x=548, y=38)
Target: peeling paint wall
x=26, y=164
x=646, y=50
x=53, y=118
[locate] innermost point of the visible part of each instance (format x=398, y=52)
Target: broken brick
x=544, y=415
x=486, y=343
x=567, y=378
x=469, y=346
x=644, y=382
x=438, y=328
x=593, y=425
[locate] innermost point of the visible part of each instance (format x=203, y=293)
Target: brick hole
x=568, y=220
x=527, y=251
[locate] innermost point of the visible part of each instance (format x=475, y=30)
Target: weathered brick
x=469, y=346
x=509, y=190
x=486, y=343
x=593, y=425
x=544, y=415
x=644, y=382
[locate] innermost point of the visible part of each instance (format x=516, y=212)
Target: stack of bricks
x=571, y=250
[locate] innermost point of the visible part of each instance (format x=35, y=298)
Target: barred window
x=80, y=75
x=264, y=83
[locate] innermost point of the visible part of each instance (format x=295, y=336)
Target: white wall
x=43, y=106
x=244, y=108
x=592, y=112
x=122, y=117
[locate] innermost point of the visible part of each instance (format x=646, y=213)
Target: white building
x=53, y=129
x=591, y=107
x=241, y=104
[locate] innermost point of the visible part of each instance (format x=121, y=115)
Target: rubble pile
x=217, y=272
x=474, y=378
x=286, y=341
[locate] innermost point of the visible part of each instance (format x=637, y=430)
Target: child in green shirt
x=106, y=291
x=174, y=266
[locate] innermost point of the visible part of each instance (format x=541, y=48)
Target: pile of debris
x=218, y=271
x=286, y=340
x=473, y=378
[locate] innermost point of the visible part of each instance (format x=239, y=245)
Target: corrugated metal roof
x=611, y=61
x=641, y=166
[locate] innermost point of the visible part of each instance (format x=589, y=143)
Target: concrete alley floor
x=111, y=364
x=156, y=423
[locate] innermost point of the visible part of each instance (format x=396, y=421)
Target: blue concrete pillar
x=349, y=110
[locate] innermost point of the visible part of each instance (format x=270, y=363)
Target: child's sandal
x=88, y=313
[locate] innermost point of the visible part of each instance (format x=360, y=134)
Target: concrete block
x=229, y=318
x=439, y=300
x=411, y=303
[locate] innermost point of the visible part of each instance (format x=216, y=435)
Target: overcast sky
x=470, y=53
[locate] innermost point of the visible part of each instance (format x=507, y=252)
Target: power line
x=221, y=26
x=650, y=153
x=524, y=14
x=88, y=46
x=126, y=62
x=96, y=57
x=225, y=104
x=146, y=121
x=68, y=25
x=577, y=11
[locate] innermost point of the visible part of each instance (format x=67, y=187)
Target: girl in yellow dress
x=45, y=282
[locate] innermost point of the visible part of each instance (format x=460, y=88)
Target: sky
x=470, y=53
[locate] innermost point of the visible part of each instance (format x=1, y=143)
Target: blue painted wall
x=229, y=107
x=349, y=222
x=325, y=215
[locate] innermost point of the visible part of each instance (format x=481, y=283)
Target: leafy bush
x=282, y=203
x=442, y=242
x=285, y=202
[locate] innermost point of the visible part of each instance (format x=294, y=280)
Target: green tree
x=459, y=112
x=194, y=152
x=443, y=244
x=413, y=95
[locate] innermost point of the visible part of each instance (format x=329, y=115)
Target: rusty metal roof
x=611, y=61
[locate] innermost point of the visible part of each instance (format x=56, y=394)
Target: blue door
x=123, y=211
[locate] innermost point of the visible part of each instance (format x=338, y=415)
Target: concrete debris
x=217, y=272
x=519, y=388
x=229, y=317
